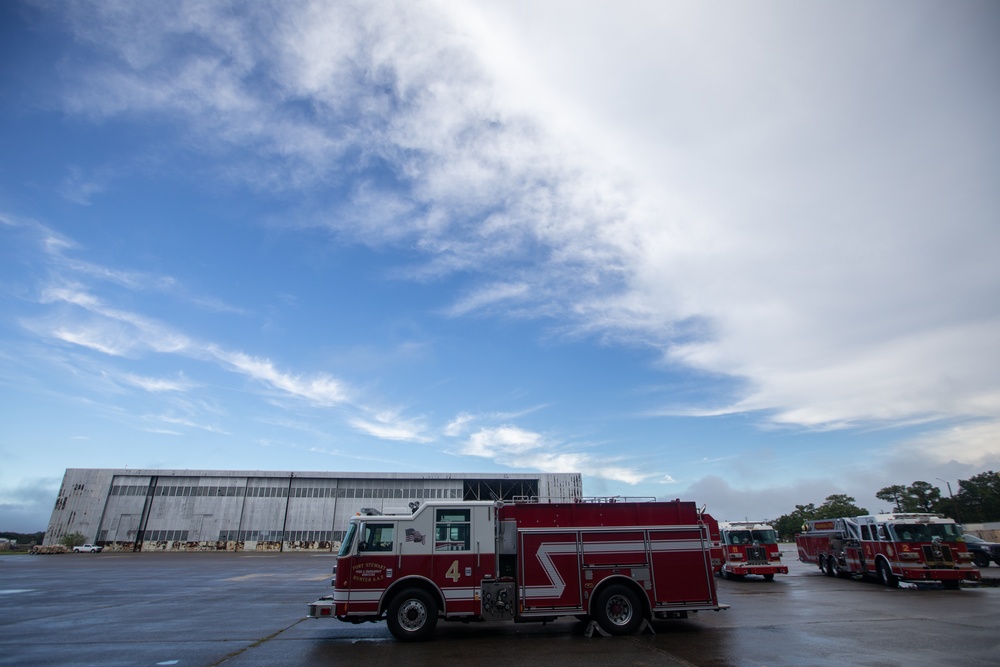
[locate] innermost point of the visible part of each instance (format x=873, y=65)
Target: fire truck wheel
x=826, y=565
x=412, y=615
x=886, y=576
x=768, y=577
x=618, y=610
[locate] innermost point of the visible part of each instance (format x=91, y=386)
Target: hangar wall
x=213, y=510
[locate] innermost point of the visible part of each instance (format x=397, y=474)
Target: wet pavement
x=246, y=610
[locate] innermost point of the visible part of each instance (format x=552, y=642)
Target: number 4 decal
x=453, y=573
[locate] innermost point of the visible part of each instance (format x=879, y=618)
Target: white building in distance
x=202, y=510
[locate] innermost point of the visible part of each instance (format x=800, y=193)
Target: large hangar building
x=219, y=510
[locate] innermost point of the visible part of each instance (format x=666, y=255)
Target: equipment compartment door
x=682, y=568
x=549, y=564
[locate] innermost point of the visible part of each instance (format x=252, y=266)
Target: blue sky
x=742, y=254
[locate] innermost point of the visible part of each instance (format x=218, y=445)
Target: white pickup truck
x=87, y=548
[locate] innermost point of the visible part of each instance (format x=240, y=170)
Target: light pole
x=954, y=505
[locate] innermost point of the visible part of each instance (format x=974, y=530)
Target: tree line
x=976, y=501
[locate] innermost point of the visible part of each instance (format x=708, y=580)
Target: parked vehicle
x=982, y=551
x=750, y=547
x=893, y=547
x=616, y=564
x=87, y=548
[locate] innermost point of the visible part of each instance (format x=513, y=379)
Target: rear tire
x=618, y=610
x=412, y=616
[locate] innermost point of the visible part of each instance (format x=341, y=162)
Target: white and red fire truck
x=750, y=547
x=618, y=563
x=893, y=547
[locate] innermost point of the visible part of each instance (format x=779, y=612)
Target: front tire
x=886, y=576
x=618, y=610
x=412, y=616
x=981, y=560
x=768, y=577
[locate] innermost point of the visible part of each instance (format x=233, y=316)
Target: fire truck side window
x=377, y=537
x=452, y=530
x=865, y=534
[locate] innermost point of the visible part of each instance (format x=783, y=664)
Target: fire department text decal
x=368, y=572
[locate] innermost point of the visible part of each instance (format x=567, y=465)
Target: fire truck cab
x=750, y=547
x=618, y=563
x=893, y=547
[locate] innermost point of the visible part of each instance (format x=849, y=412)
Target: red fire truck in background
x=894, y=547
x=750, y=547
x=618, y=563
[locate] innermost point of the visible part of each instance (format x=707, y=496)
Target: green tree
x=839, y=505
x=74, y=540
x=978, y=498
x=789, y=524
x=922, y=497
x=893, y=494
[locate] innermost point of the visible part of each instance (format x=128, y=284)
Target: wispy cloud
x=488, y=296
x=520, y=448
x=319, y=389
x=181, y=421
x=80, y=188
x=390, y=426
x=159, y=384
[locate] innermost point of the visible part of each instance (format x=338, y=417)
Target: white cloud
x=319, y=389
x=100, y=339
x=180, y=421
x=519, y=448
x=459, y=425
x=488, y=296
x=745, y=195
x=390, y=426
x=158, y=384
x=976, y=445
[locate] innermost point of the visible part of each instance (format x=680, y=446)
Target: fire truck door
x=372, y=569
x=456, y=561
x=549, y=567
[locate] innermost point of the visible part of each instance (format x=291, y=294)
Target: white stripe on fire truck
x=607, y=529
x=361, y=596
x=557, y=585
x=544, y=555
x=452, y=594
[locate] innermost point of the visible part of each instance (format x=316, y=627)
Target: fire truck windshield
x=345, y=546
x=925, y=532
x=751, y=536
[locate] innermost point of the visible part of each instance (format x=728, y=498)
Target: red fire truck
x=750, y=547
x=618, y=563
x=893, y=547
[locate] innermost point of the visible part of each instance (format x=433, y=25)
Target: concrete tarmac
x=248, y=610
